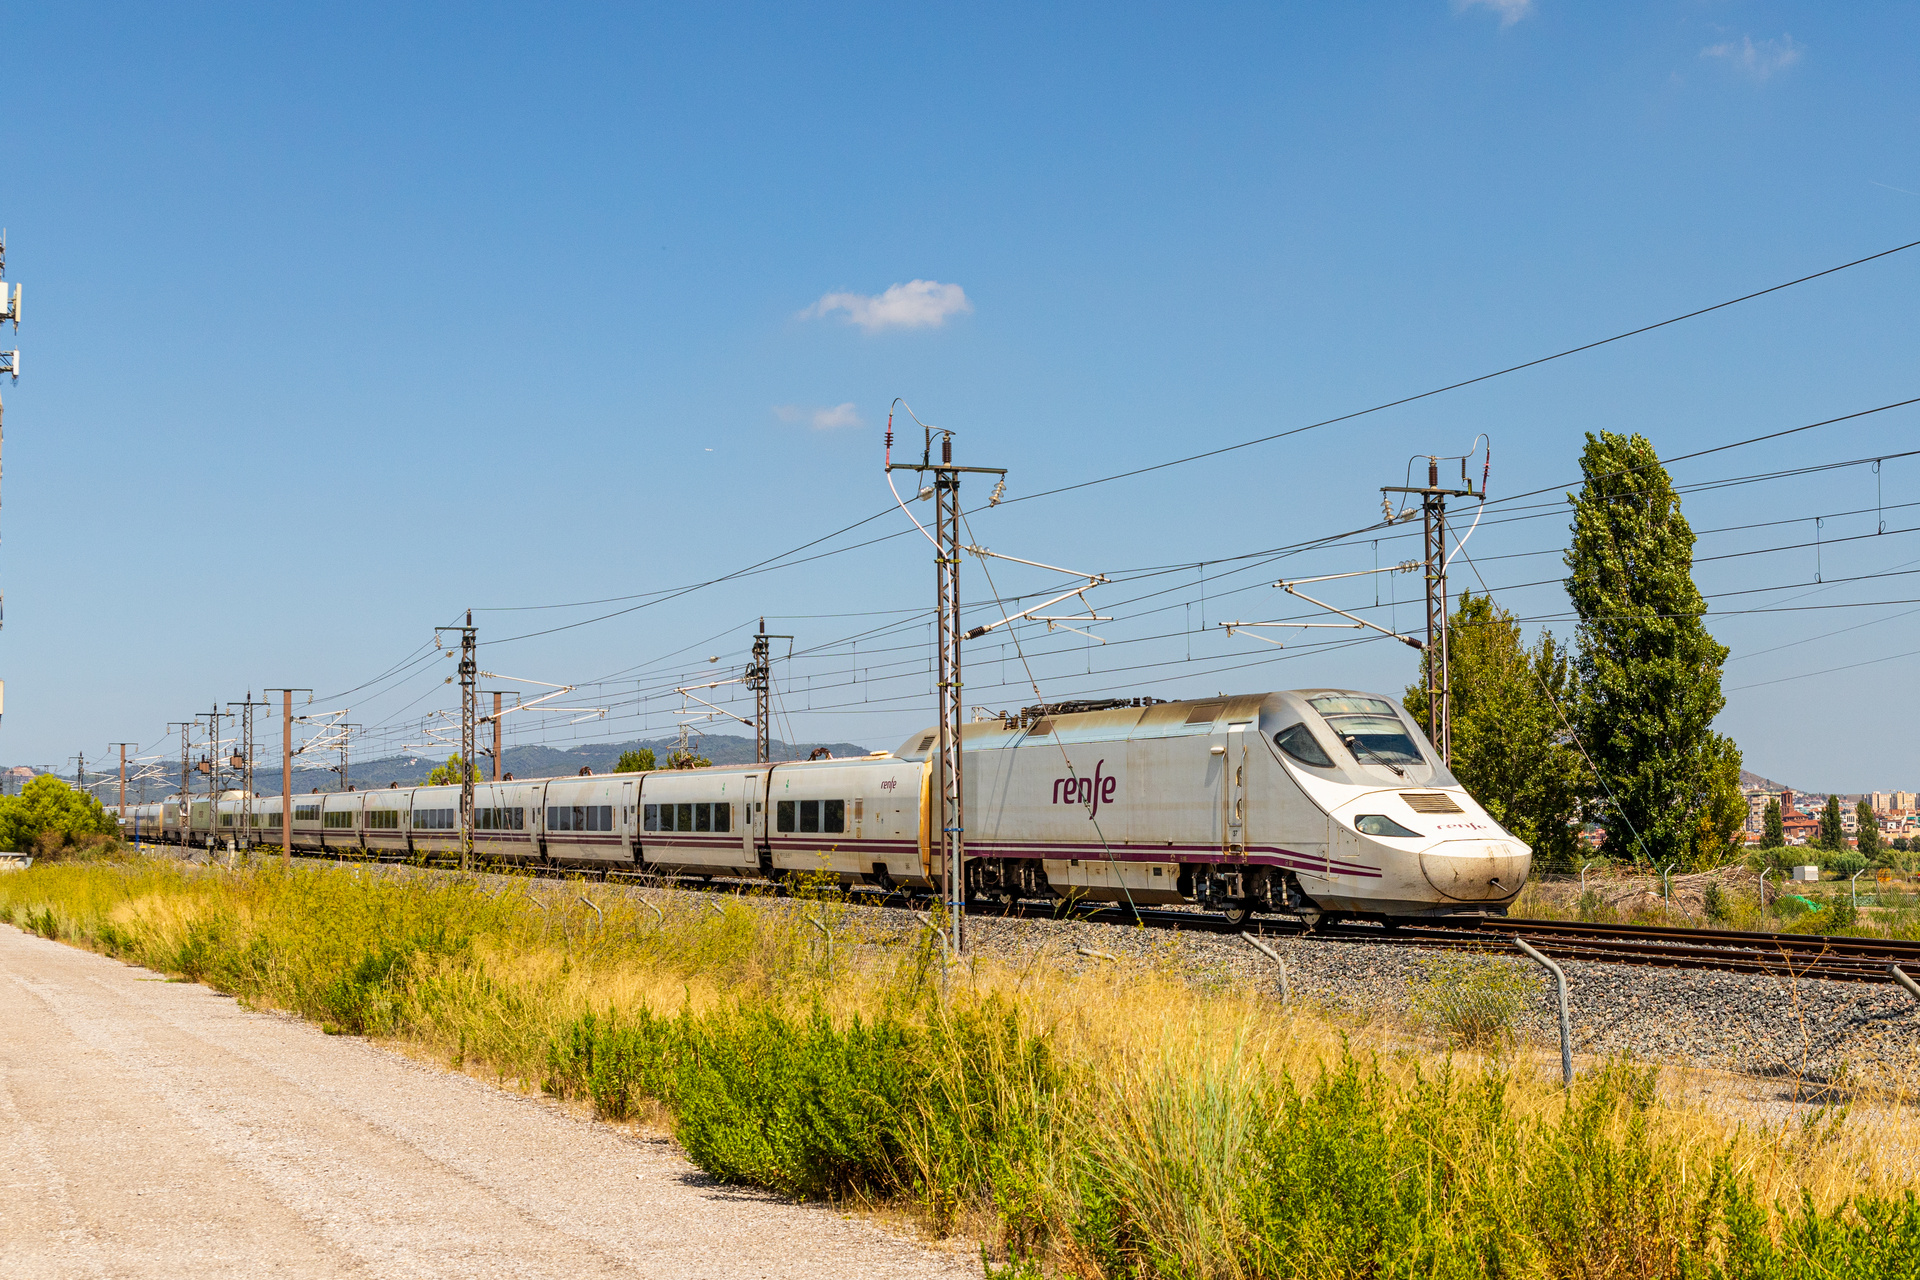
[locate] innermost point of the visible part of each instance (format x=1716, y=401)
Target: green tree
x=48, y=815
x=1773, y=835
x=687, y=760
x=1648, y=672
x=1510, y=748
x=1866, y=831
x=640, y=761
x=1832, y=834
x=448, y=774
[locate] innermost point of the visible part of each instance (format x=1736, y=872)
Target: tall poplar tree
x=1867, y=829
x=1511, y=749
x=1648, y=671
x=1833, y=833
x=1773, y=830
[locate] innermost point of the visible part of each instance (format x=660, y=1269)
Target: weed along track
x=1078, y=1097
x=1778, y=955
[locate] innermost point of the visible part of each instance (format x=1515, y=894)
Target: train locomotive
x=1325, y=804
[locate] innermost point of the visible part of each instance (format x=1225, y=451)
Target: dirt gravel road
x=153, y=1128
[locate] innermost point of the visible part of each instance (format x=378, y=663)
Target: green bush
x=1472, y=1001
x=1843, y=862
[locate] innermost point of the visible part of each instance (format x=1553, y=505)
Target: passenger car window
x=723, y=817
x=650, y=817
x=783, y=816
x=833, y=815
x=810, y=815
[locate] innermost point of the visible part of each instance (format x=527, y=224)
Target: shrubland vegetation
x=50, y=819
x=1106, y=1123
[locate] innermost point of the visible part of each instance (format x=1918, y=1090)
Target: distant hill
x=521, y=762
x=1755, y=780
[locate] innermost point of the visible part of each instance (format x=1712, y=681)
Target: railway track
x=1778, y=955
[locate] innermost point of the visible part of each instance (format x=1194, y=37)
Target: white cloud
x=824, y=418
x=1761, y=60
x=917, y=304
x=1510, y=11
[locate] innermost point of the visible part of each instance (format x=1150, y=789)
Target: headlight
x=1378, y=824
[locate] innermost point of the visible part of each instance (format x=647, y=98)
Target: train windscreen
x=1370, y=729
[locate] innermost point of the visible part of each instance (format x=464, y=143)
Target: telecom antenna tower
x=9, y=365
x=949, y=818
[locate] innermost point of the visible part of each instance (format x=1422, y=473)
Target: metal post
x=496, y=735
x=1666, y=889
x=1566, y=1018
x=760, y=679
x=946, y=499
x=346, y=734
x=949, y=814
x=1286, y=990
x=469, y=668
x=1433, y=515
x=123, y=776
x=1900, y=976
x=186, y=808
x=246, y=766
x=1583, y=877
x=286, y=771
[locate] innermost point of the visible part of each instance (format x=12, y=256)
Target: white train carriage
x=434, y=820
x=702, y=821
x=506, y=819
x=1323, y=802
x=384, y=817
x=308, y=834
x=589, y=819
x=859, y=819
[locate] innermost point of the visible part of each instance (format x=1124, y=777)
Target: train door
x=1234, y=791
x=629, y=821
x=753, y=819
x=1227, y=776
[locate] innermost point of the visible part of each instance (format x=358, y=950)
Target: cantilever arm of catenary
x=1405, y=566
x=558, y=689
x=1249, y=628
x=1093, y=580
x=1406, y=640
x=717, y=710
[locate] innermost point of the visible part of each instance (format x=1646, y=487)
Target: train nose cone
x=1476, y=870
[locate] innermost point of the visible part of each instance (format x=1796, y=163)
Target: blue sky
x=340, y=322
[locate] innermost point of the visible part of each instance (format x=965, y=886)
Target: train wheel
x=1237, y=911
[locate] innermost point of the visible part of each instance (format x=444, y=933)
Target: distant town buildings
x=1898, y=813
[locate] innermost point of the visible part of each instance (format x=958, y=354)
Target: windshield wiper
x=1355, y=747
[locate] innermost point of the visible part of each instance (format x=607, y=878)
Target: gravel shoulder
x=155, y=1128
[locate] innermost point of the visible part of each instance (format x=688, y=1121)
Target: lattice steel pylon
x=1433, y=515
x=246, y=751
x=469, y=693
x=948, y=836
x=760, y=679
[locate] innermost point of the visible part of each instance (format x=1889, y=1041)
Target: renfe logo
x=1093, y=791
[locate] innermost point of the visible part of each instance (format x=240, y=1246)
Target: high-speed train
x=1322, y=803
